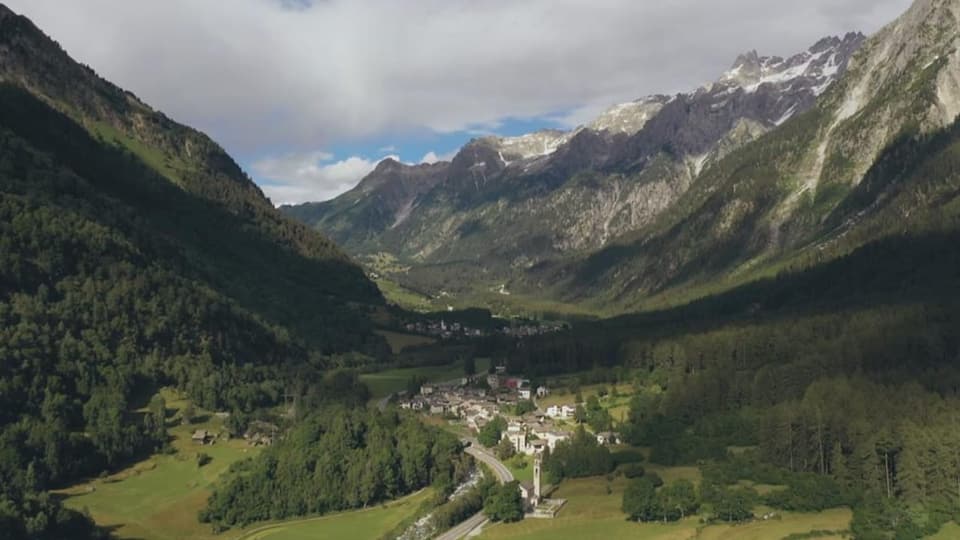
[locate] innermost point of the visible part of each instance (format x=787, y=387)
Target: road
x=478, y=520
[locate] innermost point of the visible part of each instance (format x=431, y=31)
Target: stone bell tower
x=536, y=478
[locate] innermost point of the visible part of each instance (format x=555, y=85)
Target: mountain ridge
x=532, y=199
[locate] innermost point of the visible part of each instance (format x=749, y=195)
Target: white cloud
x=432, y=157
x=313, y=176
x=295, y=75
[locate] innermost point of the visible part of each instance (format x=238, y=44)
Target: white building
x=552, y=438
x=542, y=391
x=560, y=411
x=524, y=393
x=607, y=437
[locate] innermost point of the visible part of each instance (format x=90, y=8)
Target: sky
x=309, y=95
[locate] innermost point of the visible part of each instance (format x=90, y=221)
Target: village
x=475, y=401
x=454, y=330
x=479, y=399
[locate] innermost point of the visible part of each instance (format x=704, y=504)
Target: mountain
x=875, y=157
x=135, y=254
x=505, y=207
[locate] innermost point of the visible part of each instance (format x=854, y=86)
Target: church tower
x=536, y=478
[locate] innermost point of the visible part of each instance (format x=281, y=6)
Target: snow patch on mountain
x=628, y=117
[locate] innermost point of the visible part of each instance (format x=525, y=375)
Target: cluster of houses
x=445, y=330
x=476, y=405
x=257, y=434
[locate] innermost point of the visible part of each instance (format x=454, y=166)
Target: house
x=560, y=411
x=426, y=389
x=524, y=393
x=552, y=438
x=542, y=391
x=202, y=436
x=437, y=409
x=493, y=381
x=517, y=435
x=607, y=437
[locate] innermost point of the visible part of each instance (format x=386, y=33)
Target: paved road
x=478, y=520
x=503, y=473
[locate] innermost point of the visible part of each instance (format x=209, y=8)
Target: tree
x=469, y=366
x=734, y=505
x=490, y=433
x=678, y=500
x=504, y=503
x=188, y=413
x=505, y=449
x=202, y=459
x=523, y=407
x=640, y=501
x=155, y=420
x=580, y=414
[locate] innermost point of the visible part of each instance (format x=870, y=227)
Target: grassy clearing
x=564, y=397
x=159, y=498
x=948, y=532
x=371, y=523
x=399, y=341
x=167, y=166
x=522, y=467
x=384, y=383
x=837, y=519
x=591, y=512
x=404, y=297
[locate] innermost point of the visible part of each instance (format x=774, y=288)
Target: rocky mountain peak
x=817, y=67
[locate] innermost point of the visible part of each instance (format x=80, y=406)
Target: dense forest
x=135, y=254
x=337, y=459
x=844, y=378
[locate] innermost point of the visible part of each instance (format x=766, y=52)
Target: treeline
x=577, y=457
x=338, y=459
x=41, y=517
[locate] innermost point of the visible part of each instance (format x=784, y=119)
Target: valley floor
x=592, y=512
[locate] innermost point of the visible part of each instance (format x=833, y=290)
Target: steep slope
x=231, y=251
x=877, y=155
x=134, y=254
x=505, y=206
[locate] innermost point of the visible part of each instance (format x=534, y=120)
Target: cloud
x=432, y=157
x=284, y=77
x=314, y=176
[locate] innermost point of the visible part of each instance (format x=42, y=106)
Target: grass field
x=159, y=498
x=398, y=341
x=950, y=531
x=591, y=512
x=522, y=467
x=384, y=383
x=368, y=524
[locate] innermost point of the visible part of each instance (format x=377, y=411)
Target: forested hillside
x=338, y=459
x=134, y=253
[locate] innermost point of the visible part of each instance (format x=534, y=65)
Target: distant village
x=455, y=330
x=475, y=404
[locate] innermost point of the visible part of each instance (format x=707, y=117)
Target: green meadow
x=371, y=523
x=384, y=383
x=159, y=497
x=593, y=511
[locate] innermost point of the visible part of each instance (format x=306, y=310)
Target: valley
x=730, y=312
